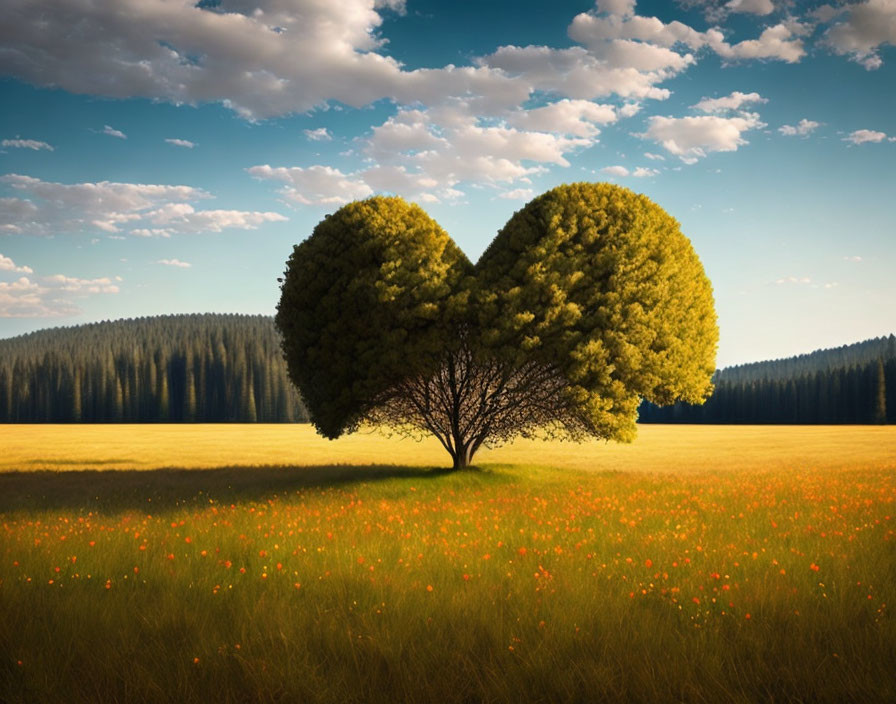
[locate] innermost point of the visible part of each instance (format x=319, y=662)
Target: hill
x=229, y=368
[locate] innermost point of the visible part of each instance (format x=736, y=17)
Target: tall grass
x=344, y=583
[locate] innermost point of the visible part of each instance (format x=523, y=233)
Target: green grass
x=393, y=582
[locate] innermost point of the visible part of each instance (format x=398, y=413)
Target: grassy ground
x=699, y=564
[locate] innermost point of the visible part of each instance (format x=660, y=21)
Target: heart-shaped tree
x=588, y=300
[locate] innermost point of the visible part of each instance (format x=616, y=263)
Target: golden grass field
x=243, y=563
x=658, y=448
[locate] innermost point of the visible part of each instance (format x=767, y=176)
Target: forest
x=168, y=369
x=212, y=368
x=849, y=384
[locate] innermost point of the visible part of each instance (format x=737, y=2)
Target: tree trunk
x=463, y=456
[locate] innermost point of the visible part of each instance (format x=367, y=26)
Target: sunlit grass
x=699, y=564
x=658, y=448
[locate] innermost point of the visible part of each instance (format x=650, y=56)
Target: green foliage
x=365, y=302
x=589, y=299
x=599, y=281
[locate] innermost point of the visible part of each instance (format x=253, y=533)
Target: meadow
x=238, y=563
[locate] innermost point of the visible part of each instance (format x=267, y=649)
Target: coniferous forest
x=167, y=369
x=850, y=384
x=229, y=368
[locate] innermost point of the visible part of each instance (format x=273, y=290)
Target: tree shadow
x=154, y=490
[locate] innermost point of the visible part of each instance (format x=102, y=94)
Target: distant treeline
x=849, y=384
x=179, y=368
x=228, y=368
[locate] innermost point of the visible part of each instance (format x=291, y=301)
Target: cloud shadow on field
x=155, y=490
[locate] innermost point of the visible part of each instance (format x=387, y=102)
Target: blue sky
x=160, y=156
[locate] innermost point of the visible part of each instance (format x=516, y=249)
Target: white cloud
x=654, y=157
x=454, y=124
x=572, y=117
x=864, y=136
x=622, y=172
x=424, y=154
x=867, y=26
x=186, y=143
x=50, y=296
x=854, y=259
x=793, y=280
x=617, y=170
x=518, y=194
x=26, y=144
x=691, y=138
x=592, y=30
x=261, y=59
x=50, y=208
x=26, y=299
x=802, y=128
x=753, y=7
x=7, y=264
x=314, y=185
x=321, y=134
x=778, y=42
x=72, y=283
x=580, y=74
x=730, y=102
x=112, y=132
x=175, y=263
x=183, y=218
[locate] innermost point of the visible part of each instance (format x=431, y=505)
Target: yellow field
x=658, y=448
x=261, y=563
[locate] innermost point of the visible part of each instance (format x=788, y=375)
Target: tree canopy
x=588, y=300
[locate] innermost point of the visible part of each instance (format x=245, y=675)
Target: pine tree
x=879, y=415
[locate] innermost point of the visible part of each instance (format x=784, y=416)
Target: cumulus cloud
x=866, y=27
x=802, y=128
x=185, y=143
x=692, y=138
x=73, y=283
x=780, y=42
x=112, y=132
x=425, y=154
x=512, y=113
x=7, y=264
x=26, y=144
x=622, y=172
x=49, y=208
x=321, y=134
x=580, y=74
x=865, y=136
x=730, y=102
x=260, y=59
x=572, y=117
x=619, y=171
x=50, y=296
x=314, y=185
x=175, y=263
x=518, y=194
x=752, y=7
